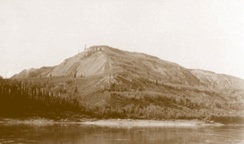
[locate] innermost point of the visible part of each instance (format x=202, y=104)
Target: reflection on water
x=77, y=134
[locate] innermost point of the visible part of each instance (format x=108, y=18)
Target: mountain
x=104, y=60
x=109, y=81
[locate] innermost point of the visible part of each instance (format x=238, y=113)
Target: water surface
x=77, y=134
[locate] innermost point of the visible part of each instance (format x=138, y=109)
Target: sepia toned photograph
x=121, y=72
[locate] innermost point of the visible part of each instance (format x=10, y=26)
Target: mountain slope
x=115, y=83
x=99, y=60
x=104, y=60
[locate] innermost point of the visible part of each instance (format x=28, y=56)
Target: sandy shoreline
x=149, y=123
x=112, y=122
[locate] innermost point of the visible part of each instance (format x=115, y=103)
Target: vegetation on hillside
x=63, y=97
x=24, y=99
x=103, y=82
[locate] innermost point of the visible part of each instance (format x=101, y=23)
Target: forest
x=25, y=98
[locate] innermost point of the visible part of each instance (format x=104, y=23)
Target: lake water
x=84, y=134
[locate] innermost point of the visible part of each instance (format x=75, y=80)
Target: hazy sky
x=202, y=34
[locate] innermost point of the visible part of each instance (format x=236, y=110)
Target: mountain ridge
x=102, y=59
x=112, y=83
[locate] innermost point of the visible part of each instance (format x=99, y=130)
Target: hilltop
x=110, y=82
x=105, y=60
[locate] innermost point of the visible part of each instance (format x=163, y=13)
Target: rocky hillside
x=118, y=83
x=104, y=60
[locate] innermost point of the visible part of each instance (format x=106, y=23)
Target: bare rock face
x=92, y=61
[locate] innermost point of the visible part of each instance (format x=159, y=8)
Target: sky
x=198, y=34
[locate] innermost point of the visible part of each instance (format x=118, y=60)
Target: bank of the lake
x=150, y=123
x=113, y=122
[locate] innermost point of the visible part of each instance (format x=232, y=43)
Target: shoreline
x=123, y=123
x=149, y=123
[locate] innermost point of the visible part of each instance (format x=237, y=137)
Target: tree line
x=48, y=99
x=19, y=98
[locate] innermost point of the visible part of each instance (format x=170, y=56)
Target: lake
x=88, y=134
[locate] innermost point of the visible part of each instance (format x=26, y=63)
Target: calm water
x=81, y=134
